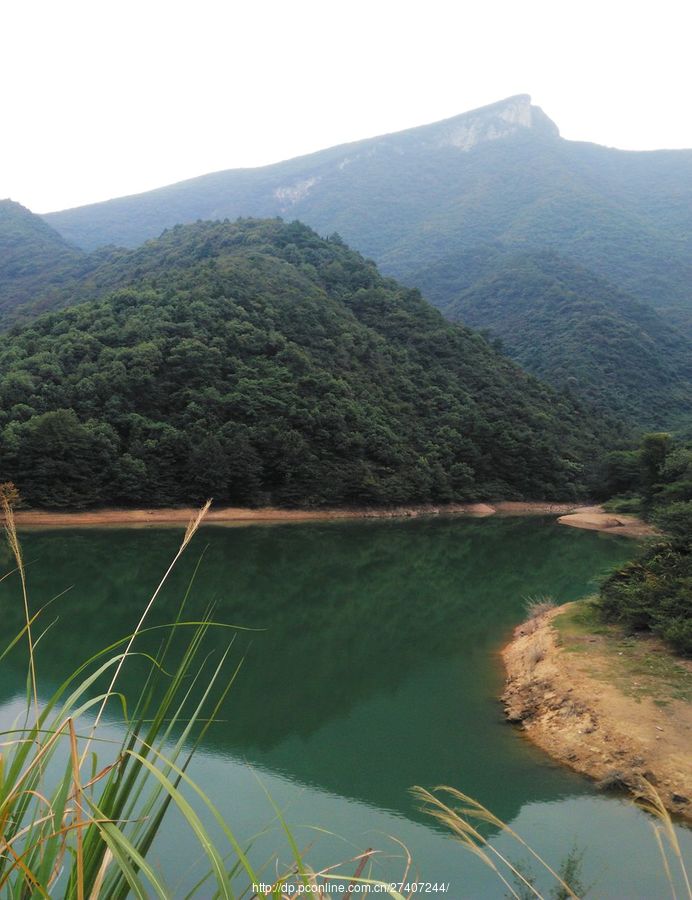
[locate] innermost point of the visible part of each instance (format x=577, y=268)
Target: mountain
x=32, y=256
x=561, y=322
x=258, y=363
x=408, y=200
x=571, y=328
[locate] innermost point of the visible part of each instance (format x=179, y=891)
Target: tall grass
x=466, y=818
x=83, y=829
x=79, y=812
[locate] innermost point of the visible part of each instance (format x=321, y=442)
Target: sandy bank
x=228, y=514
x=591, y=517
x=595, y=518
x=614, y=708
x=532, y=508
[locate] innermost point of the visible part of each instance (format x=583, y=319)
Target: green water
x=375, y=669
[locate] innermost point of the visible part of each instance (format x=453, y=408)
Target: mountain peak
x=11, y=209
x=497, y=120
x=16, y=222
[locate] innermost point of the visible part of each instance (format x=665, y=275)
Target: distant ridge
x=499, y=174
x=208, y=197
x=464, y=131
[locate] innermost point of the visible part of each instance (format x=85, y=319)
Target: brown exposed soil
x=237, y=515
x=532, y=508
x=612, y=707
x=591, y=517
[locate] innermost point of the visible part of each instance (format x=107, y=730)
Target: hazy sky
x=101, y=99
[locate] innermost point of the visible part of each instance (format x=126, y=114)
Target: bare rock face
x=514, y=115
x=493, y=122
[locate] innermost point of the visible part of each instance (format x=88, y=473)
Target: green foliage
x=627, y=505
x=676, y=519
x=573, y=329
x=257, y=363
x=570, y=874
x=676, y=476
x=568, y=884
x=618, y=473
x=653, y=453
x=55, y=448
x=31, y=254
x=654, y=592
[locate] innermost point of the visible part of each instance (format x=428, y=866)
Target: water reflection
x=375, y=668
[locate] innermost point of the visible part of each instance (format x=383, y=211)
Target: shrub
x=654, y=593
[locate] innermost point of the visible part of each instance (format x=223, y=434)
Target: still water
x=373, y=668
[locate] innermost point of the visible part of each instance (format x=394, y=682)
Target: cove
x=372, y=667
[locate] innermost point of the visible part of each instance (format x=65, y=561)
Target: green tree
x=654, y=450
x=56, y=461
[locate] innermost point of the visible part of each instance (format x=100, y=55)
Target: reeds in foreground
x=85, y=829
x=465, y=817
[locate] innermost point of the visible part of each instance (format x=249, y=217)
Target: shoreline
x=237, y=514
x=614, y=709
x=567, y=513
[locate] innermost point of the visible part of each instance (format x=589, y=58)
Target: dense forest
x=408, y=200
x=558, y=320
x=258, y=363
x=571, y=328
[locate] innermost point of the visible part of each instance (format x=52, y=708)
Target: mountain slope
x=501, y=173
x=257, y=363
x=32, y=256
x=557, y=319
x=571, y=328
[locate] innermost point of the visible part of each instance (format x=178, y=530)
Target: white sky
x=105, y=98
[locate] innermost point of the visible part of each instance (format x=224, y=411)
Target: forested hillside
x=258, y=363
x=32, y=256
x=501, y=173
x=571, y=328
x=557, y=319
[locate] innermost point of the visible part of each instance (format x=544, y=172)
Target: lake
x=373, y=668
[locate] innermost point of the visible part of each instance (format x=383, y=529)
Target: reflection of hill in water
x=375, y=670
